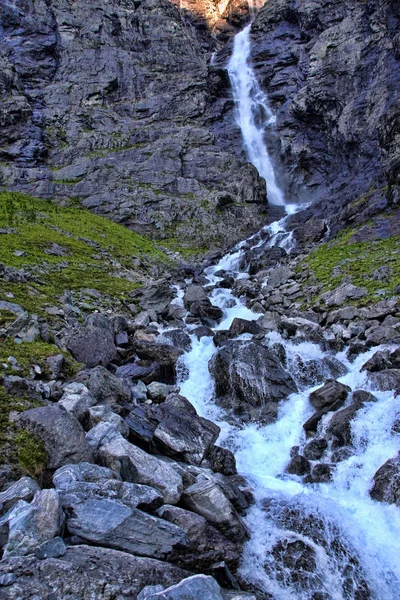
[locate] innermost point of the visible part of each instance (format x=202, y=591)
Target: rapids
x=355, y=539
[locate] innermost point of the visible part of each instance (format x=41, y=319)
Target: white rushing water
x=353, y=537
x=253, y=113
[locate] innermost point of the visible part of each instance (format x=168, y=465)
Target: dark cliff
x=110, y=104
x=331, y=70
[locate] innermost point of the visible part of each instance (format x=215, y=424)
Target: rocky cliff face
x=331, y=70
x=110, y=104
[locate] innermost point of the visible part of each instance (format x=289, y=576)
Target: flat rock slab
x=93, y=346
x=84, y=572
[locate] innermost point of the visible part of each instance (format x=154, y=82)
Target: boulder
x=347, y=291
x=248, y=374
x=182, y=434
x=206, y=498
x=197, y=302
x=105, y=387
x=101, y=434
x=156, y=296
x=178, y=338
x=192, y=588
x=207, y=545
x=321, y=473
x=96, y=572
x=103, y=414
x=30, y=525
x=111, y=523
x=157, y=391
x=23, y=489
x=159, y=360
x=61, y=433
x=378, y=362
x=298, y=465
x=134, y=464
x=315, y=449
x=53, y=548
x=239, y=326
x=329, y=394
x=222, y=460
x=386, y=381
x=93, y=346
x=339, y=427
x=386, y=486
x=77, y=400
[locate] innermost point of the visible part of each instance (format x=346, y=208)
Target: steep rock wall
x=332, y=73
x=109, y=103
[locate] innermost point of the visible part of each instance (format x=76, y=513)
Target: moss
x=32, y=456
x=8, y=403
x=358, y=261
x=28, y=354
x=6, y=317
x=184, y=247
x=99, y=252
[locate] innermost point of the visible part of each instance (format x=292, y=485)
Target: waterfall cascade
x=354, y=541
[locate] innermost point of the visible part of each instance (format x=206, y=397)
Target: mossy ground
x=99, y=254
x=28, y=354
x=343, y=258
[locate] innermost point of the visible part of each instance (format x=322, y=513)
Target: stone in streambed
x=329, y=394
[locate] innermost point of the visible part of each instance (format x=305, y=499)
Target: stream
x=321, y=541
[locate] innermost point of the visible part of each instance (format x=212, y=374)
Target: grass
x=6, y=317
x=99, y=253
x=333, y=261
x=28, y=354
x=31, y=453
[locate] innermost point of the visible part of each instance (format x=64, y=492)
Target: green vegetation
x=358, y=261
x=186, y=251
x=28, y=354
x=6, y=317
x=97, y=253
x=32, y=456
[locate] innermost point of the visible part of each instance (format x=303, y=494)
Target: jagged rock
x=178, y=338
x=102, y=434
x=346, y=291
x=55, y=366
x=206, y=498
x=77, y=400
x=182, y=434
x=113, y=524
x=93, y=346
x=161, y=358
x=38, y=390
x=339, y=427
x=96, y=571
x=222, y=460
x=192, y=588
x=66, y=477
x=157, y=391
x=298, y=466
x=378, y=362
x=202, y=331
x=239, y=326
x=321, y=473
x=61, y=433
x=249, y=375
x=23, y=489
x=198, y=303
x=51, y=549
x=329, y=394
x=32, y=524
x=207, y=545
x=315, y=449
x=135, y=465
x=295, y=560
x=386, y=486
x=156, y=296
x=103, y=414
x=105, y=387
x=387, y=380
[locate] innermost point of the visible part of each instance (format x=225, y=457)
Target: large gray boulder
x=332, y=393
x=207, y=498
x=136, y=465
x=77, y=400
x=156, y=296
x=111, y=523
x=197, y=302
x=23, y=489
x=248, y=375
x=29, y=525
x=105, y=387
x=192, y=588
x=207, y=545
x=86, y=571
x=386, y=487
x=61, y=433
x=93, y=346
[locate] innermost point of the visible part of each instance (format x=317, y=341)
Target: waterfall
x=253, y=113
x=353, y=540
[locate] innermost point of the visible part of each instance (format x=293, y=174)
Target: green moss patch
x=6, y=317
x=28, y=354
x=96, y=253
x=31, y=453
x=332, y=262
